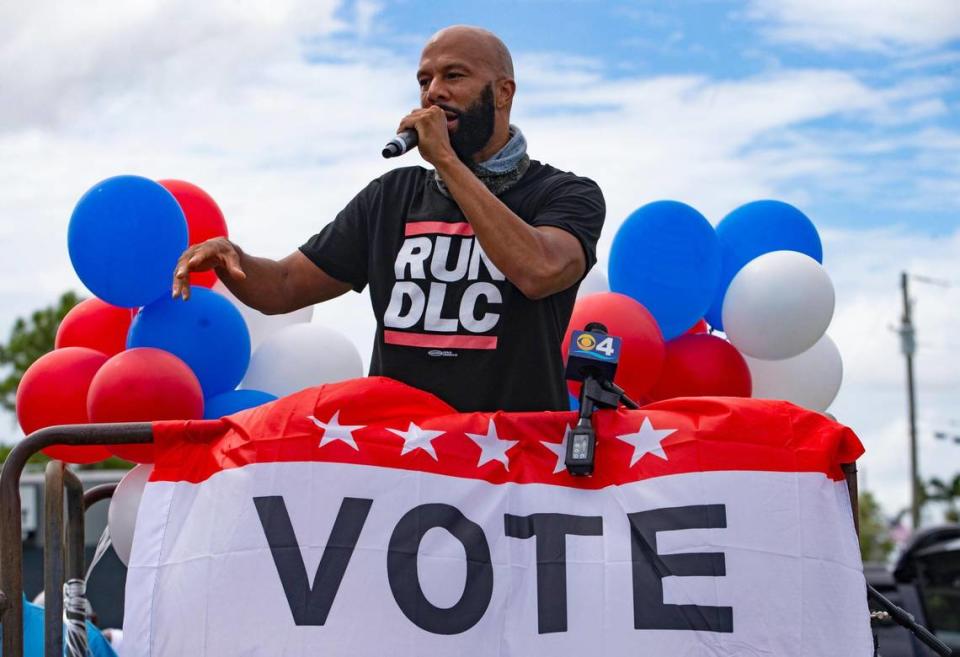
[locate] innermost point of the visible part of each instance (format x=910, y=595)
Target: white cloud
x=861, y=24
x=57, y=58
x=718, y=144
x=865, y=267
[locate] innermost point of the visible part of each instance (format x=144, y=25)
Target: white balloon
x=595, y=281
x=778, y=305
x=122, y=514
x=811, y=380
x=301, y=356
x=261, y=326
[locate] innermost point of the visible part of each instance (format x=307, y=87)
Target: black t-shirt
x=447, y=320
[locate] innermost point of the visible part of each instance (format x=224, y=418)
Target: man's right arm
x=273, y=287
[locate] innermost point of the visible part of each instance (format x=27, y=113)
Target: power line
x=947, y=436
x=939, y=282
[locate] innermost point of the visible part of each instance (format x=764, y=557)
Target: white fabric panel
x=202, y=581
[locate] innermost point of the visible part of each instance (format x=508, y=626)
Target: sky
x=848, y=109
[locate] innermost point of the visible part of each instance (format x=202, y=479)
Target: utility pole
x=908, y=345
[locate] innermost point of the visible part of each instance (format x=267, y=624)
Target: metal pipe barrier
x=60, y=541
x=97, y=494
x=53, y=556
x=75, y=604
x=853, y=489
x=11, y=545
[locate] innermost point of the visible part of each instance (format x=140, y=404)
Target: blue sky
x=901, y=180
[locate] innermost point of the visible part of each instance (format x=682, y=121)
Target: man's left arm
x=539, y=260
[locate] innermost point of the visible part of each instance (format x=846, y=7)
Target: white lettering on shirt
x=413, y=252
x=433, y=320
x=468, y=307
x=475, y=259
x=414, y=303
x=392, y=317
x=438, y=263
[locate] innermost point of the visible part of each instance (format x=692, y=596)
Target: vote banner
x=368, y=518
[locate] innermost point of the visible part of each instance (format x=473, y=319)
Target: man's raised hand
x=432, y=133
x=219, y=254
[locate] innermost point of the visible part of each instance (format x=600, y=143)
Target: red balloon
x=702, y=366
x=144, y=385
x=95, y=324
x=54, y=391
x=204, y=220
x=700, y=327
x=642, y=351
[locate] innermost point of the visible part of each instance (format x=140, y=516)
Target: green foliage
x=30, y=339
x=112, y=463
x=875, y=541
x=947, y=492
x=41, y=459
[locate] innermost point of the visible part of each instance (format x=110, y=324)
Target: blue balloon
x=666, y=256
x=754, y=229
x=228, y=403
x=207, y=333
x=34, y=618
x=125, y=237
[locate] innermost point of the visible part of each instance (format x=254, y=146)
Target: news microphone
x=400, y=144
x=592, y=353
x=592, y=359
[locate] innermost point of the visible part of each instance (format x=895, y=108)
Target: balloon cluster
x=676, y=283
x=133, y=354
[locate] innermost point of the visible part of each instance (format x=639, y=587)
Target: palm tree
x=947, y=492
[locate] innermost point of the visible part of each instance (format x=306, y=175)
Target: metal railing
x=58, y=480
x=97, y=494
x=62, y=550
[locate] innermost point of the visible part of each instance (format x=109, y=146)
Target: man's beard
x=475, y=127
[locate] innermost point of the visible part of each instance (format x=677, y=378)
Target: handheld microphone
x=400, y=144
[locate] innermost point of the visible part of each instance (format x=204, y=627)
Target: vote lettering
x=310, y=603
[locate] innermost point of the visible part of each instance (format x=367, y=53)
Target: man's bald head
x=468, y=72
x=484, y=46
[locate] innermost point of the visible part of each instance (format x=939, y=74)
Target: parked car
x=924, y=581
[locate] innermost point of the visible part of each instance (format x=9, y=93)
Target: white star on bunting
x=646, y=441
x=416, y=438
x=560, y=449
x=492, y=447
x=333, y=430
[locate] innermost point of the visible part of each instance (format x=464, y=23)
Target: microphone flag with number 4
x=368, y=518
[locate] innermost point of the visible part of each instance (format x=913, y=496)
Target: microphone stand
x=597, y=392
x=904, y=619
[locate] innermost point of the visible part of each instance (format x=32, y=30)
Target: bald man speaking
x=473, y=266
